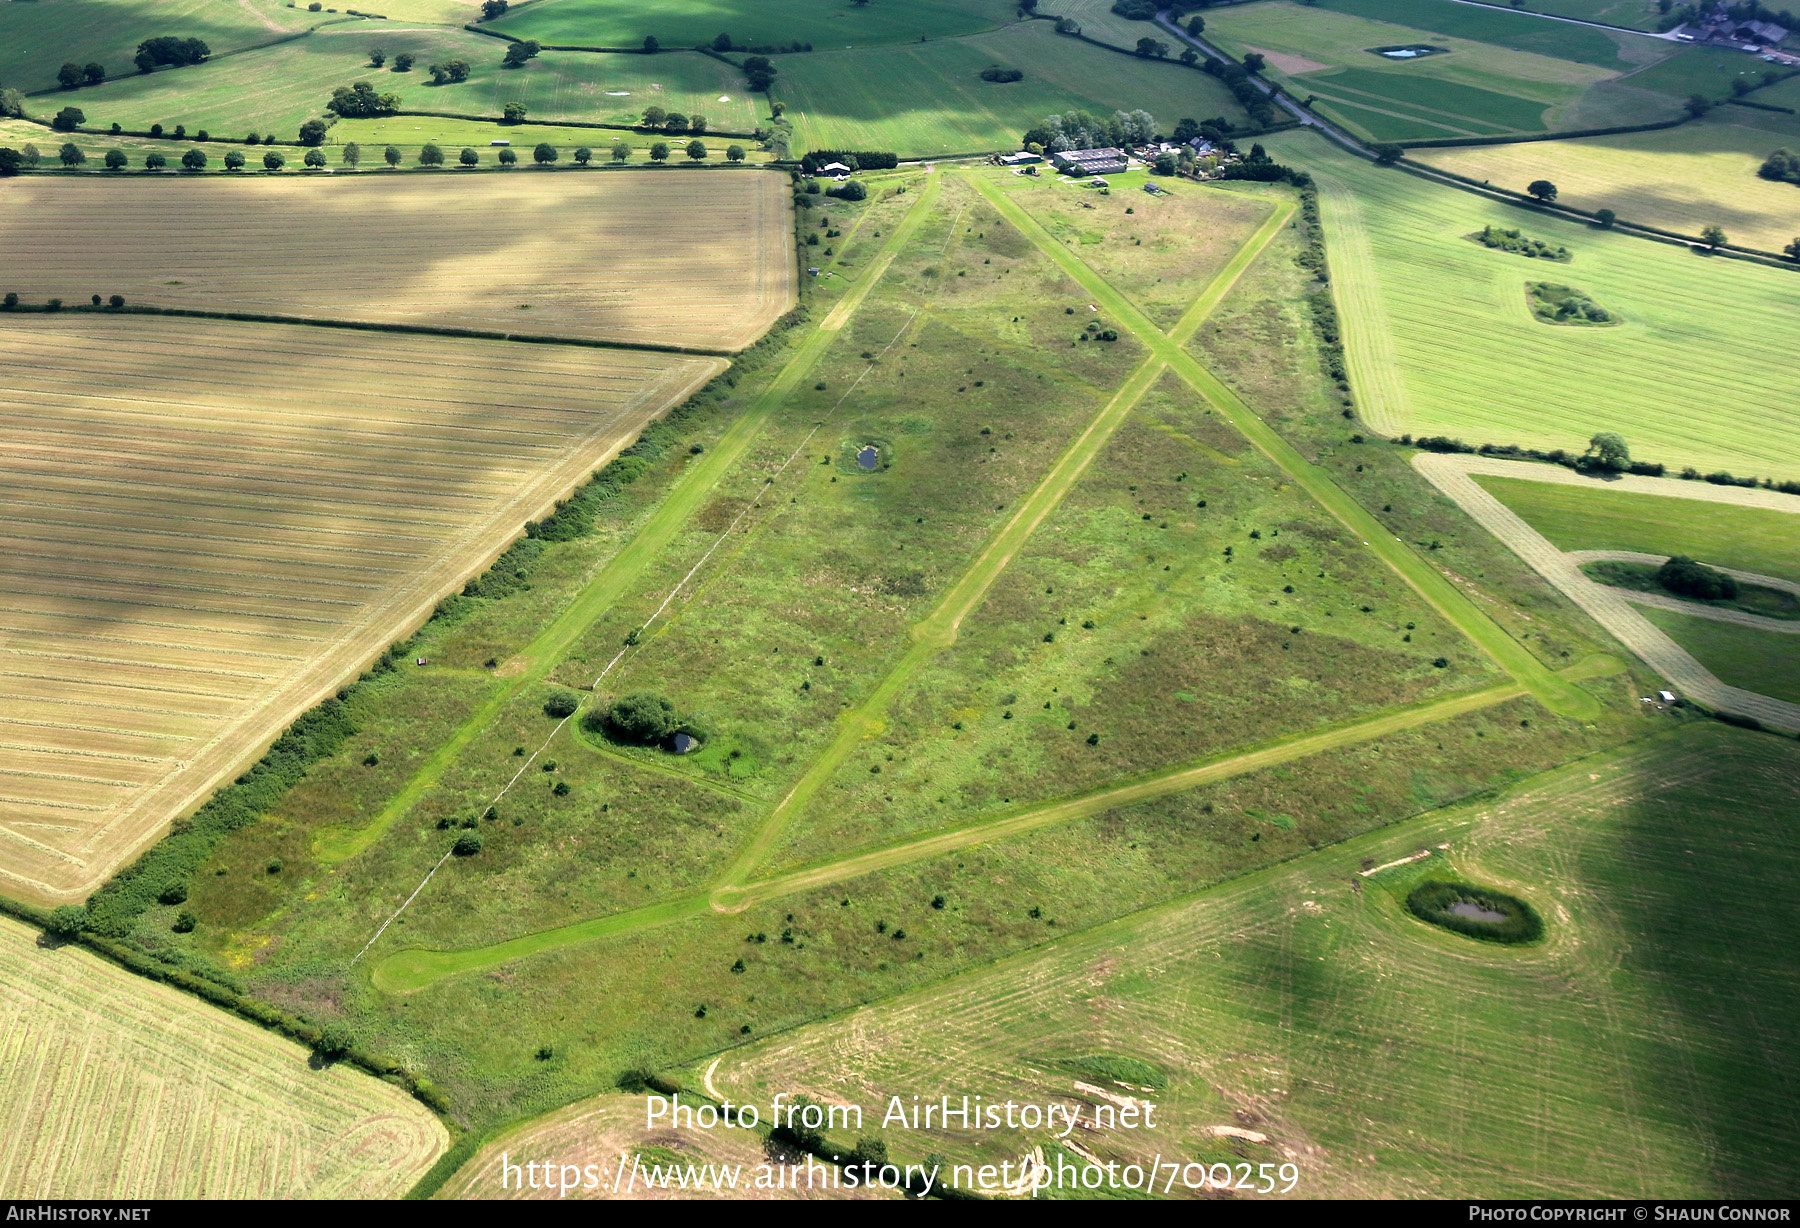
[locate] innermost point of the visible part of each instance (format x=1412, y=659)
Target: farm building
x=1023, y=158
x=1091, y=161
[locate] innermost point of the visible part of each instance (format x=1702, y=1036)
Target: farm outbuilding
x=1091, y=161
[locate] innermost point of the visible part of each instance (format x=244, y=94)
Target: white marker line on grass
x=673, y=593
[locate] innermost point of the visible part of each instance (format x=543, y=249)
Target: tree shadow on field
x=1706, y=886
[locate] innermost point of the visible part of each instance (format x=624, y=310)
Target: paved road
x=1662, y=601
x=1608, y=606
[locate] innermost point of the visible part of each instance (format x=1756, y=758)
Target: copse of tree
x=194, y=160
x=1153, y=48
x=1001, y=76
x=449, y=72
x=642, y=716
x=67, y=920
x=153, y=53
x=403, y=62
x=513, y=113
x=68, y=119
x=544, y=154
x=1542, y=189
x=69, y=76
x=491, y=9
x=71, y=154
x=562, y=704
x=518, y=53
x=1683, y=576
x=312, y=132
x=676, y=122
x=654, y=117
x=361, y=101
x=93, y=72
x=1781, y=166
x=431, y=155
x=1136, y=10
x=759, y=71
x=1253, y=62
x=851, y=190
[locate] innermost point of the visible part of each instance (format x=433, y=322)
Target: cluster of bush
x=1686, y=578
x=1432, y=902
x=658, y=120
x=1136, y=10
x=154, y=53
x=1562, y=304
x=1511, y=239
x=361, y=101
x=72, y=74
x=1237, y=79
x=1001, y=76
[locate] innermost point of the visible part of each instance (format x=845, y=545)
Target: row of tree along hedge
x=855, y=159
x=114, y=910
x=1585, y=463
x=1457, y=142
x=500, y=120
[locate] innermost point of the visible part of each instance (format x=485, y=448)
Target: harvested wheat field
x=118, y=1087
x=210, y=526
x=702, y=259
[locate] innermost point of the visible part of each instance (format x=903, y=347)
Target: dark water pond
x=1475, y=912
x=682, y=743
x=869, y=457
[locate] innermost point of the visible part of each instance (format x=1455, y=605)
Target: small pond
x=1475, y=912
x=682, y=743
x=869, y=456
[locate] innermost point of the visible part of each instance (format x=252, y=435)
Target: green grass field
x=1681, y=179
x=686, y=23
x=1575, y=518
x=1475, y=88
x=38, y=36
x=1519, y=31
x=930, y=99
x=1639, y=1049
x=278, y=88
x=1440, y=340
x=1635, y=14
x=1762, y=661
x=1700, y=70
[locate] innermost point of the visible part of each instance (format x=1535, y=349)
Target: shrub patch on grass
x=1512, y=239
x=1554, y=303
x=1475, y=912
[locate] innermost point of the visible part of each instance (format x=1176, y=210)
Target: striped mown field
x=1440, y=340
x=118, y=1087
x=209, y=526
x=662, y=258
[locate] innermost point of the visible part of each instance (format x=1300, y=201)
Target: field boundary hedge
x=1580, y=463
x=582, y=123
x=376, y=326
x=1458, y=142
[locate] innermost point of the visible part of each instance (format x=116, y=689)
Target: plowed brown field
x=686, y=258
x=209, y=526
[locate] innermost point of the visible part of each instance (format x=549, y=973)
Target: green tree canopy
x=642, y=716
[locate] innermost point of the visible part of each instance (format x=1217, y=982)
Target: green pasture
x=1634, y=14
x=928, y=99
x=687, y=23
x=1681, y=179
x=38, y=36
x=1766, y=662
x=278, y=88
x=1440, y=340
x=1639, y=1049
x=1761, y=540
x=1708, y=71
x=1475, y=88
x=1520, y=31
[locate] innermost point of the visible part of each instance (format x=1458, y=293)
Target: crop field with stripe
x=117, y=1087
x=1440, y=340
x=211, y=525
x=670, y=259
x=1638, y=1050
x=683, y=23
x=922, y=99
x=1682, y=179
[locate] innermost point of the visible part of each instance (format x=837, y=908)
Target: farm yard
x=584, y=256
x=1681, y=179
x=1302, y=1005
x=202, y=543
x=1439, y=328
x=120, y=1088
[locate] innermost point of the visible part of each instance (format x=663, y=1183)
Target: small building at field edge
x=1090, y=161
